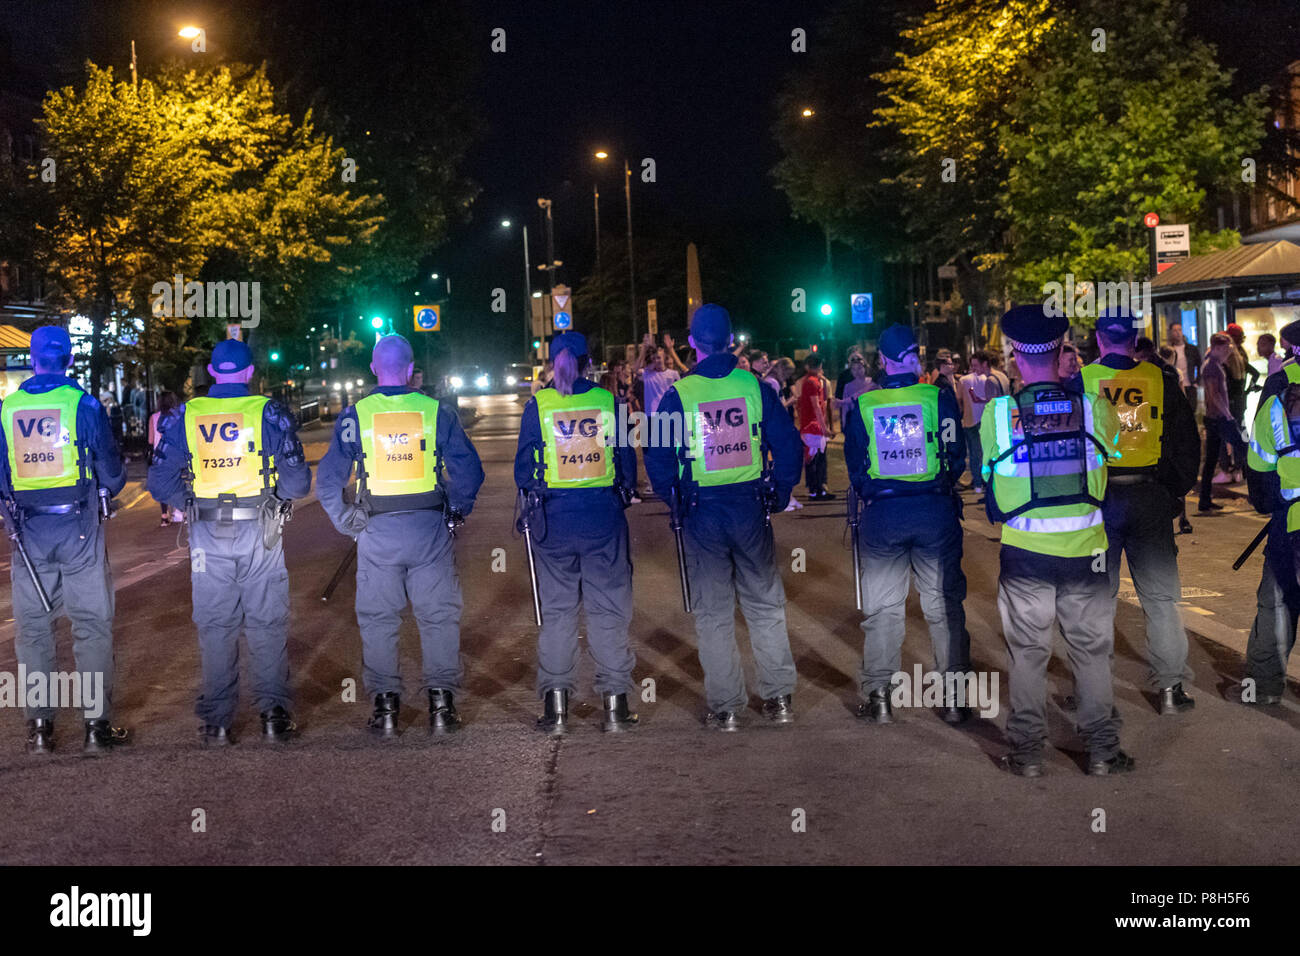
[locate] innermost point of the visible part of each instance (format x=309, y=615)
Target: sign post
x=652, y=315
x=562, y=308
x=1173, y=244
x=862, y=308
x=1151, y=220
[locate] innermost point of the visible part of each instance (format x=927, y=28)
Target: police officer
x=714, y=467
x=1160, y=449
x=903, y=445
x=577, y=480
x=401, y=516
x=61, y=458
x=1045, y=452
x=1273, y=481
x=233, y=461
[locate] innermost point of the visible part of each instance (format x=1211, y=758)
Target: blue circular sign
x=426, y=319
x=563, y=320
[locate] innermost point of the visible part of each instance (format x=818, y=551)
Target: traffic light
x=377, y=322
x=827, y=309
x=275, y=356
x=537, y=343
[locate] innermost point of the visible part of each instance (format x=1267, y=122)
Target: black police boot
x=727, y=721
x=952, y=714
x=877, y=709
x=555, y=715
x=617, y=717
x=779, y=710
x=1174, y=701
x=383, y=722
x=1023, y=766
x=102, y=737
x=1120, y=763
x=214, y=735
x=277, y=725
x=443, y=718
x=40, y=736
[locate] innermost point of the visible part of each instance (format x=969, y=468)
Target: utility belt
x=71, y=507
x=388, y=504
x=225, y=509
x=1118, y=478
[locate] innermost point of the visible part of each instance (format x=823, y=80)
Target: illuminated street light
x=505, y=223
x=806, y=112
x=190, y=33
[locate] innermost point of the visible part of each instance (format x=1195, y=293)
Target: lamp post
x=528, y=285
x=631, y=265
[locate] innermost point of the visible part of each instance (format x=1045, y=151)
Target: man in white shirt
x=976, y=389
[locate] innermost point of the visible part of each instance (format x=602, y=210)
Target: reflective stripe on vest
x=399, y=443
x=902, y=427
x=723, y=421
x=1138, y=396
x=1282, y=451
x=41, y=428
x=225, y=442
x=577, y=438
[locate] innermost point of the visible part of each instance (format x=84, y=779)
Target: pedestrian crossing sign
x=428, y=318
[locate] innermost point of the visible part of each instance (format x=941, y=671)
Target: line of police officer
x=233, y=460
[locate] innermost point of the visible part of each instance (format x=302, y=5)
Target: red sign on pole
x=1151, y=220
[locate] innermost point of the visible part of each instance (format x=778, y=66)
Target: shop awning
x=14, y=340
x=1257, y=264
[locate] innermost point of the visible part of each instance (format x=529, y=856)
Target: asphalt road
x=1214, y=786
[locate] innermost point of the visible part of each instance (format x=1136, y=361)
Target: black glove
x=355, y=520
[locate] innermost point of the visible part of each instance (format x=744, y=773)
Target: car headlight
x=337, y=386
x=511, y=380
x=481, y=382
x=457, y=381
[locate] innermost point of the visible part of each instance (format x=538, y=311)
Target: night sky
x=690, y=84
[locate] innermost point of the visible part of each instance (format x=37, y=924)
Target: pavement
x=1213, y=786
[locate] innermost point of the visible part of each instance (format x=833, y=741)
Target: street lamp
x=528, y=311
x=631, y=266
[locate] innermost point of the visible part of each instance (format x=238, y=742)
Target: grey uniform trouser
x=408, y=557
x=1273, y=634
x=730, y=553
x=238, y=584
x=595, y=572
x=74, y=572
x=1086, y=611
x=1139, y=522
x=900, y=537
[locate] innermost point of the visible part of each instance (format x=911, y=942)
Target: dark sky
x=689, y=83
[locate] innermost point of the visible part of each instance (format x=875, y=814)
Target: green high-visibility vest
x=1035, y=521
x=1137, y=395
x=724, y=418
x=227, y=455
x=399, y=443
x=577, y=438
x=1273, y=448
x=44, y=448
x=903, y=431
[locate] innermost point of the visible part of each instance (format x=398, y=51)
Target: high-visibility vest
x=903, y=431
x=577, y=438
x=1138, y=396
x=1292, y=370
x=227, y=452
x=724, y=418
x=1049, y=490
x=399, y=446
x=45, y=450
x=1275, y=444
